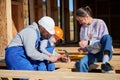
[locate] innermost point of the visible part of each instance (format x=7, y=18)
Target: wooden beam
x=32, y=11
x=39, y=9
x=25, y=12
x=54, y=11
x=44, y=75
x=9, y=20
x=74, y=50
x=115, y=62
x=5, y=25
x=76, y=28
x=48, y=7
x=66, y=21
x=17, y=15
x=69, y=49
x=63, y=70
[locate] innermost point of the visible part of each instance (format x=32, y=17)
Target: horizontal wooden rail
x=115, y=62
x=42, y=75
x=74, y=50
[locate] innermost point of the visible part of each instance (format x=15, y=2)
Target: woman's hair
x=84, y=11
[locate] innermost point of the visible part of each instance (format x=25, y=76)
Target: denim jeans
x=83, y=64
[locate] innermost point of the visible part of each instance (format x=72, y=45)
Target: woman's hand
x=80, y=50
x=83, y=43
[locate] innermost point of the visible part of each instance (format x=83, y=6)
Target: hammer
x=66, y=53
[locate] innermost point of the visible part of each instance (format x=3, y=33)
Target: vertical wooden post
x=48, y=7
x=32, y=12
x=9, y=20
x=17, y=15
x=5, y=24
x=62, y=17
x=54, y=11
x=76, y=28
x=38, y=6
x=65, y=20
x=39, y=9
x=25, y=12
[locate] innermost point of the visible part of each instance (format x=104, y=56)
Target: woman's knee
x=106, y=38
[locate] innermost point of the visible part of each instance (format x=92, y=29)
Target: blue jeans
x=83, y=64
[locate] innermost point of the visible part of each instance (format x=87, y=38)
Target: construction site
x=16, y=15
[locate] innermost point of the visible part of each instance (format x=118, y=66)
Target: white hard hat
x=48, y=23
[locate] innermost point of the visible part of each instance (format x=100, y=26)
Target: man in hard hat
x=22, y=53
x=47, y=47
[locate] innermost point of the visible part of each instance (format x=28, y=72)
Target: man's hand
x=65, y=59
x=83, y=43
x=50, y=54
x=53, y=58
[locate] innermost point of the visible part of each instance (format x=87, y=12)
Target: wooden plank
x=98, y=66
x=75, y=55
x=48, y=7
x=54, y=11
x=63, y=70
x=5, y=24
x=9, y=20
x=32, y=11
x=74, y=50
x=115, y=62
x=116, y=51
x=39, y=10
x=17, y=15
x=10, y=78
x=69, y=49
x=44, y=75
x=71, y=65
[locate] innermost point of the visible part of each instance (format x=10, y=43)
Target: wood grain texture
x=43, y=75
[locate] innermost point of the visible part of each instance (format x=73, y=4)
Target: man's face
x=44, y=33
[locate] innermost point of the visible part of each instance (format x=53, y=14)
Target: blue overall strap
x=38, y=39
x=49, y=47
x=50, y=65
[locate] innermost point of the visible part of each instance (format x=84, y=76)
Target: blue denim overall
x=16, y=58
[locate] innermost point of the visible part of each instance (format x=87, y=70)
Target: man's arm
x=29, y=38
